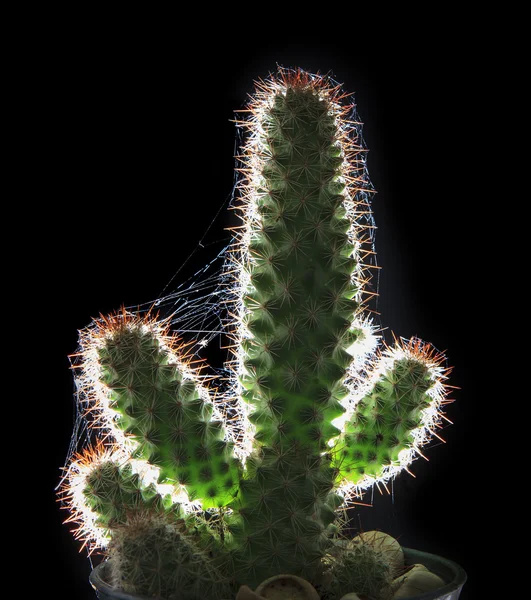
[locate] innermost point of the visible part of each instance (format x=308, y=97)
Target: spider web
x=198, y=307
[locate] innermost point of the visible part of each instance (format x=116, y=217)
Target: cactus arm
x=113, y=490
x=304, y=347
x=154, y=555
x=101, y=489
x=396, y=414
x=165, y=416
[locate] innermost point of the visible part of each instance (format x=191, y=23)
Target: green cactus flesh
x=297, y=323
x=152, y=555
x=357, y=568
x=113, y=492
x=301, y=300
x=300, y=307
x=384, y=421
x=166, y=416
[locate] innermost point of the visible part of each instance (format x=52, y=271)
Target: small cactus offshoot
x=367, y=565
x=317, y=410
x=153, y=555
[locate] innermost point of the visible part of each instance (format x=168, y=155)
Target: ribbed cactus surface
x=153, y=555
x=299, y=304
x=301, y=298
x=322, y=412
x=385, y=421
x=166, y=416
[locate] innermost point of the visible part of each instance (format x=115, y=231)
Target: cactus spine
x=302, y=364
x=164, y=413
x=153, y=555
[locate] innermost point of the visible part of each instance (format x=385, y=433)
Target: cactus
x=153, y=555
x=367, y=565
x=172, y=424
x=102, y=492
x=316, y=413
x=359, y=568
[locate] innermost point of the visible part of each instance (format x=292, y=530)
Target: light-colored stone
x=287, y=587
x=417, y=581
x=400, y=580
x=246, y=593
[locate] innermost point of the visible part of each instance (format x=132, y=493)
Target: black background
x=134, y=145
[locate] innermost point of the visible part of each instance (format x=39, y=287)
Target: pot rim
x=447, y=569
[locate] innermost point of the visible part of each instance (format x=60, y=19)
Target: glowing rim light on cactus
x=75, y=481
x=93, y=339
x=88, y=531
x=357, y=209
x=368, y=364
x=431, y=417
x=95, y=395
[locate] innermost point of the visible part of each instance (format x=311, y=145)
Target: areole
x=318, y=409
x=449, y=571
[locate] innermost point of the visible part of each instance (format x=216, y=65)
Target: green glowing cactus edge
x=255, y=478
